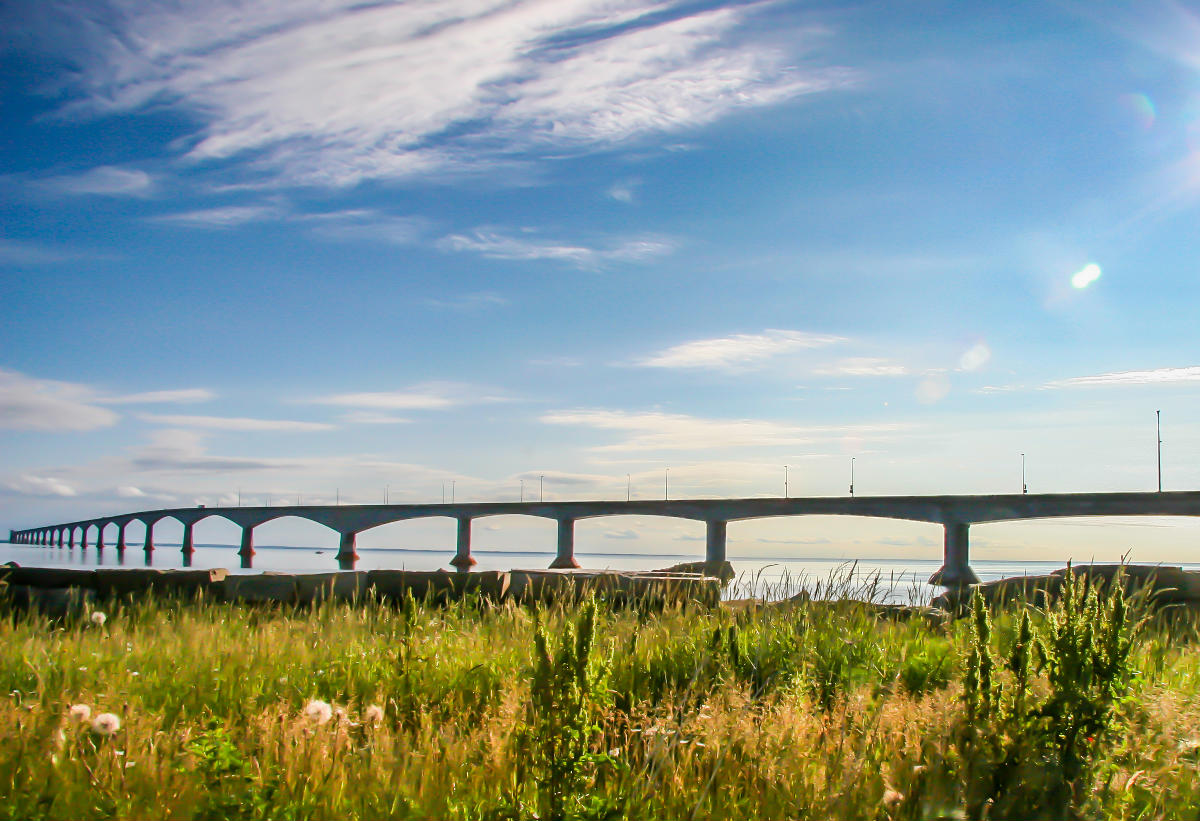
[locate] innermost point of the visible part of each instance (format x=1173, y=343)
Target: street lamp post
x=628, y=487
x=785, y=486
x=666, y=494
x=851, y=475
x=1158, y=424
x=540, y=478
x=522, y=490
x=1024, y=487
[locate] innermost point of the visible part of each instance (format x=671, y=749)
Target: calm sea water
x=898, y=579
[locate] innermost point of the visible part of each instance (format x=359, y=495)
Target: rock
x=261, y=587
x=140, y=581
x=720, y=570
x=45, y=577
x=438, y=585
x=55, y=602
x=350, y=585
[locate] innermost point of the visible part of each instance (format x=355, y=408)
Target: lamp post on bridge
x=1024, y=487
x=851, y=475
x=1158, y=425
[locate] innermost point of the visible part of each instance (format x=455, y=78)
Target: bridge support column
x=188, y=547
x=566, y=546
x=100, y=535
x=121, y=537
x=83, y=537
x=714, y=542
x=60, y=538
x=71, y=536
x=463, y=560
x=149, y=545
x=247, y=548
x=346, y=547
x=956, y=568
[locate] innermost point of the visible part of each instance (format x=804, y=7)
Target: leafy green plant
x=567, y=699
x=1028, y=750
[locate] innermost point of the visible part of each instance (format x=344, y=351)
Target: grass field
x=813, y=710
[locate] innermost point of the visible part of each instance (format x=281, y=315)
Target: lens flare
x=1140, y=108
x=1086, y=275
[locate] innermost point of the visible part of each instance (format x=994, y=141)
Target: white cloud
x=657, y=431
x=105, y=180
x=735, y=351
x=625, y=190
x=373, y=418
x=181, y=396
x=40, y=486
x=426, y=396
x=42, y=404
x=357, y=225
x=426, y=86
x=227, y=216
x=496, y=245
x=14, y=252
x=1159, y=376
x=862, y=366
x=620, y=534
x=232, y=423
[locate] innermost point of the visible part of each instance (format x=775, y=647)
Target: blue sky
x=325, y=249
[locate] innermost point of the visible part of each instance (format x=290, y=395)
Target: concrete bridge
x=956, y=514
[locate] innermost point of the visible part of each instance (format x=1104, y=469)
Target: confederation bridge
x=955, y=514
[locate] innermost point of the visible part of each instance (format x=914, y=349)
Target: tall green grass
x=805, y=709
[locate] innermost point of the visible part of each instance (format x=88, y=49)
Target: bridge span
x=956, y=514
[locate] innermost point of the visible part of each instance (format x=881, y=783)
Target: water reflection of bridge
x=955, y=513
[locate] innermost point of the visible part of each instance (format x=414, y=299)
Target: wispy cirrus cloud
x=1158, y=376
x=736, y=351
x=105, y=180
x=225, y=216
x=234, y=423
x=27, y=403
x=1115, y=379
x=180, y=396
x=658, y=431
x=862, y=366
x=425, y=396
x=425, y=87
x=499, y=245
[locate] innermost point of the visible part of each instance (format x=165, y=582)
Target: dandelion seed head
x=105, y=724
x=318, y=711
x=98, y=618
x=80, y=713
x=373, y=714
x=339, y=715
x=892, y=797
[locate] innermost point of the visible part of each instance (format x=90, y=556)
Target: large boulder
x=348, y=585
x=720, y=570
x=261, y=587
x=50, y=576
x=437, y=585
x=142, y=580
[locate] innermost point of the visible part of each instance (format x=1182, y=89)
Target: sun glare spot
x=1086, y=275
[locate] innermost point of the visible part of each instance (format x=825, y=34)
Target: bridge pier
x=100, y=535
x=714, y=542
x=149, y=545
x=463, y=560
x=71, y=536
x=60, y=537
x=121, y=537
x=247, y=548
x=83, y=537
x=956, y=568
x=566, y=546
x=188, y=547
x=346, y=546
